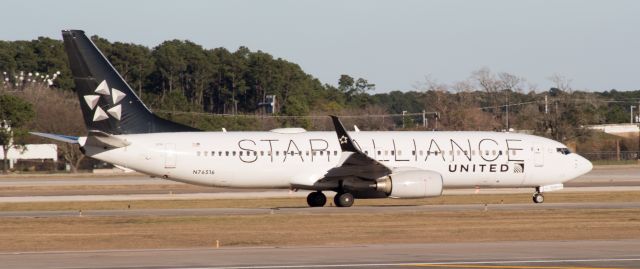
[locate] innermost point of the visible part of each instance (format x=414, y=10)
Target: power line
x=287, y=116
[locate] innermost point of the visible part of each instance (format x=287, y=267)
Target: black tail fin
x=108, y=103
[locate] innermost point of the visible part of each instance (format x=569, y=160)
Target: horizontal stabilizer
x=104, y=140
x=62, y=138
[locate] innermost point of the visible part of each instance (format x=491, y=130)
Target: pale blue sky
x=393, y=44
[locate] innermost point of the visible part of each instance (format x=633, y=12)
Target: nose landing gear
x=538, y=197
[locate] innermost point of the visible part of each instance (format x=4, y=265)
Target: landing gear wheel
x=538, y=198
x=343, y=199
x=316, y=199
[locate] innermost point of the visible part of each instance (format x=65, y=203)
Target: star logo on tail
x=343, y=139
x=104, y=90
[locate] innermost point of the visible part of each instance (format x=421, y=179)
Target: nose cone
x=583, y=166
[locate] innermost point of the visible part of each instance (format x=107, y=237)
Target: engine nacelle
x=411, y=184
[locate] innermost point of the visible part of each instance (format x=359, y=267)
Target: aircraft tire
x=316, y=199
x=343, y=199
x=538, y=198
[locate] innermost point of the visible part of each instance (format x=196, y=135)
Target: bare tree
x=57, y=111
x=561, y=82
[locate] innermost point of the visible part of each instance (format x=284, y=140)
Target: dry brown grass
x=101, y=189
x=89, y=233
x=86, y=233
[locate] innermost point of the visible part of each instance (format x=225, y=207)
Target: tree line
x=186, y=82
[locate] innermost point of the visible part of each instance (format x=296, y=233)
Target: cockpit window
x=564, y=151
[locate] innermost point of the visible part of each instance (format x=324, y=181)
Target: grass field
x=90, y=233
x=87, y=233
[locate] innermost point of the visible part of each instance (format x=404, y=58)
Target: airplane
x=360, y=164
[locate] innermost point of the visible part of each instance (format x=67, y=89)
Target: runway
x=531, y=254
x=309, y=211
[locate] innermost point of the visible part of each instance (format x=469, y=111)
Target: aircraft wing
x=354, y=162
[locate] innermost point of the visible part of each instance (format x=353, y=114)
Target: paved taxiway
x=320, y=210
x=530, y=254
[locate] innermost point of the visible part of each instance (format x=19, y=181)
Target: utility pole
x=424, y=119
x=546, y=105
x=404, y=112
x=507, y=110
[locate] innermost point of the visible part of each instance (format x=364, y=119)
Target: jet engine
x=411, y=184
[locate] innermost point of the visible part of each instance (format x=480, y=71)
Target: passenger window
x=277, y=153
x=421, y=153
x=306, y=153
x=234, y=153
x=493, y=152
x=240, y=153
x=392, y=152
x=399, y=152
x=379, y=152
x=205, y=153
x=335, y=153
x=226, y=153
x=262, y=153
x=197, y=153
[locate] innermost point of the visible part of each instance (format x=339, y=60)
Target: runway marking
x=477, y=264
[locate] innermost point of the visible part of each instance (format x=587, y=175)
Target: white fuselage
x=285, y=159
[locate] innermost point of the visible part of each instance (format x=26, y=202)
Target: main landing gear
x=318, y=199
x=537, y=196
x=343, y=199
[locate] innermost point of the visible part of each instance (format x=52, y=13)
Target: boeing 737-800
x=359, y=164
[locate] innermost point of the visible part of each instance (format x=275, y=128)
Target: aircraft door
x=538, y=155
x=169, y=155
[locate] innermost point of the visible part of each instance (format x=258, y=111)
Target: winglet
x=346, y=143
